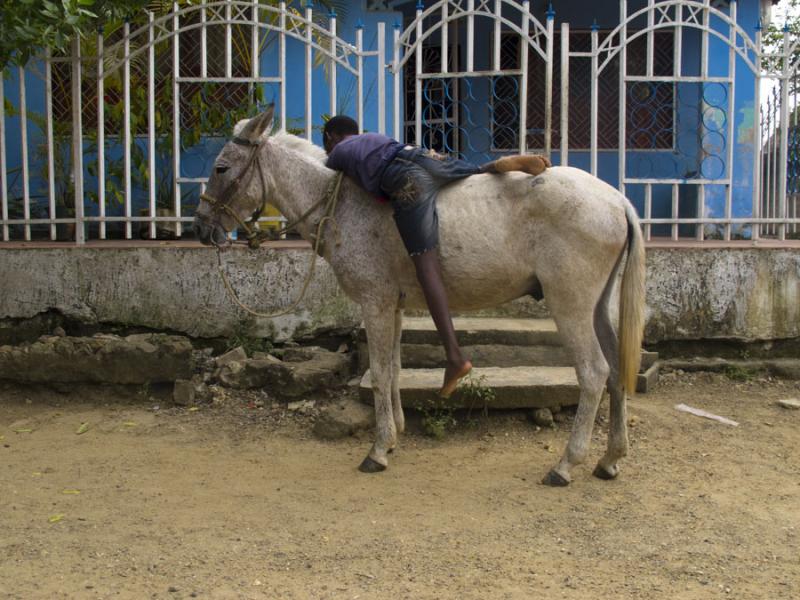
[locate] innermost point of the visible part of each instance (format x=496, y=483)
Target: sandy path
x=227, y=503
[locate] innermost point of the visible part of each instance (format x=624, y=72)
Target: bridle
x=219, y=206
x=256, y=237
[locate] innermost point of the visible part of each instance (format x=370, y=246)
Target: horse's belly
x=476, y=277
x=485, y=248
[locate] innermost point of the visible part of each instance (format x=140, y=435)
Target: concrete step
x=473, y=331
x=432, y=356
x=495, y=342
x=514, y=387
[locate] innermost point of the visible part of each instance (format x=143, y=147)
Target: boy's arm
x=335, y=160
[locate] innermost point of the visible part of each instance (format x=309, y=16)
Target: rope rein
x=256, y=238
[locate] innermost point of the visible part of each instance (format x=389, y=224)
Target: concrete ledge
x=482, y=330
x=174, y=287
x=743, y=291
x=136, y=359
x=432, y=356
x=786, y=368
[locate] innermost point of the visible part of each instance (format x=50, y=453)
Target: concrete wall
x=173, y=288
x=742, y=293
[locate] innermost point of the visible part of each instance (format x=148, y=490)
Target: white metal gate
x=451, y=112
x=478, y=78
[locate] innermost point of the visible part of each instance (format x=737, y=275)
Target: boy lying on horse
x=410, y=177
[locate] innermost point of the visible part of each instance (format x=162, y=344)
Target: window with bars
x=440, y=102
x=649, y=105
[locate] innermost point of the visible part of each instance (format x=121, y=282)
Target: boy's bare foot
x=452, y=375
x=532, y=164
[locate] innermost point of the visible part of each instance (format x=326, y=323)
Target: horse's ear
x=259, y=126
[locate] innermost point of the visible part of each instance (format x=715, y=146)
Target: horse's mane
x=293, y=142
x=301, y=145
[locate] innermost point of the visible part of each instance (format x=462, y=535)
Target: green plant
x=738, y=373
x=437, y=417
x=26, y=26
x=241, y=337
x=477, y=394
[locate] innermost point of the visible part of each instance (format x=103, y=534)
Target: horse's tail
x=631, y=304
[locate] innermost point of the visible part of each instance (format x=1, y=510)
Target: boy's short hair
x=340, y=125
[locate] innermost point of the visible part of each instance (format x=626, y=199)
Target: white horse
x=563, y=233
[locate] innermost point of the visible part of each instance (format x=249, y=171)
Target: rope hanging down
x=254, y=240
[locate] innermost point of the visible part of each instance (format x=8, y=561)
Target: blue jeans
x=411, y=182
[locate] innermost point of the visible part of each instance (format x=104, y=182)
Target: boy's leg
x=429, y=274
x=412, y=190
x=445, y=168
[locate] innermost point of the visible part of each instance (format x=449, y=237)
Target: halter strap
x=256, y=237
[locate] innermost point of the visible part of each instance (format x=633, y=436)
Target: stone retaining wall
x=173, y=288
x=742, y=293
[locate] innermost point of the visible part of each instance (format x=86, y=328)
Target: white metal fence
x=653, y=105
x=238, y=49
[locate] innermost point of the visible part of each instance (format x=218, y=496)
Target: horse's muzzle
x=209, y=233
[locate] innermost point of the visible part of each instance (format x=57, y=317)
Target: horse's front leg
x=379, y=322
x=397, y=404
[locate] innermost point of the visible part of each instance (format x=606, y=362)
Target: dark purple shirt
x=364, y=157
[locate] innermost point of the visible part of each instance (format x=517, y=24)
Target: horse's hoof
x=371, y=466
x=602, y=473
x=555, y=479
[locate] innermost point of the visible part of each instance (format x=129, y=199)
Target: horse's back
x=562, y=199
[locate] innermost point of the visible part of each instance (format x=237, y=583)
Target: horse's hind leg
x=380, y=326
x=607, y=467
x=397, y=407
x=573, y=317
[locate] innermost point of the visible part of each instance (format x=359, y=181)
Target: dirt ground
x=240, y=501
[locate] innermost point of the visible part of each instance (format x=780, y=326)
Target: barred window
x=649, y=105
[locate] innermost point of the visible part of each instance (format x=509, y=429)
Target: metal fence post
x=77, y=142
x=783, y=154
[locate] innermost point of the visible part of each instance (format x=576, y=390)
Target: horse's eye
x=221, y=170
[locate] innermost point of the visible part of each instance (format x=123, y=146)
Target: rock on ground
x=183, y=393
x=790, y=403
x=542, y=417
x=303, y=371
x=236, y=355
x=342, y=419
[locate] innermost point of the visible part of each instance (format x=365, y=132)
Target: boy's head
x=336, y=129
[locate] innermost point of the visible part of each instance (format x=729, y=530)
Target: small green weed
x=241, y=337
x=477, y=394
x=738, y=373
x=437, y=418
x=439, y=414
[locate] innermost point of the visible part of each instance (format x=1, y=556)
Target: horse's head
x=236, y=186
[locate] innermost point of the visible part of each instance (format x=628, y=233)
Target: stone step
x=432, y=356
x=473, y=331
x=514, y=387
